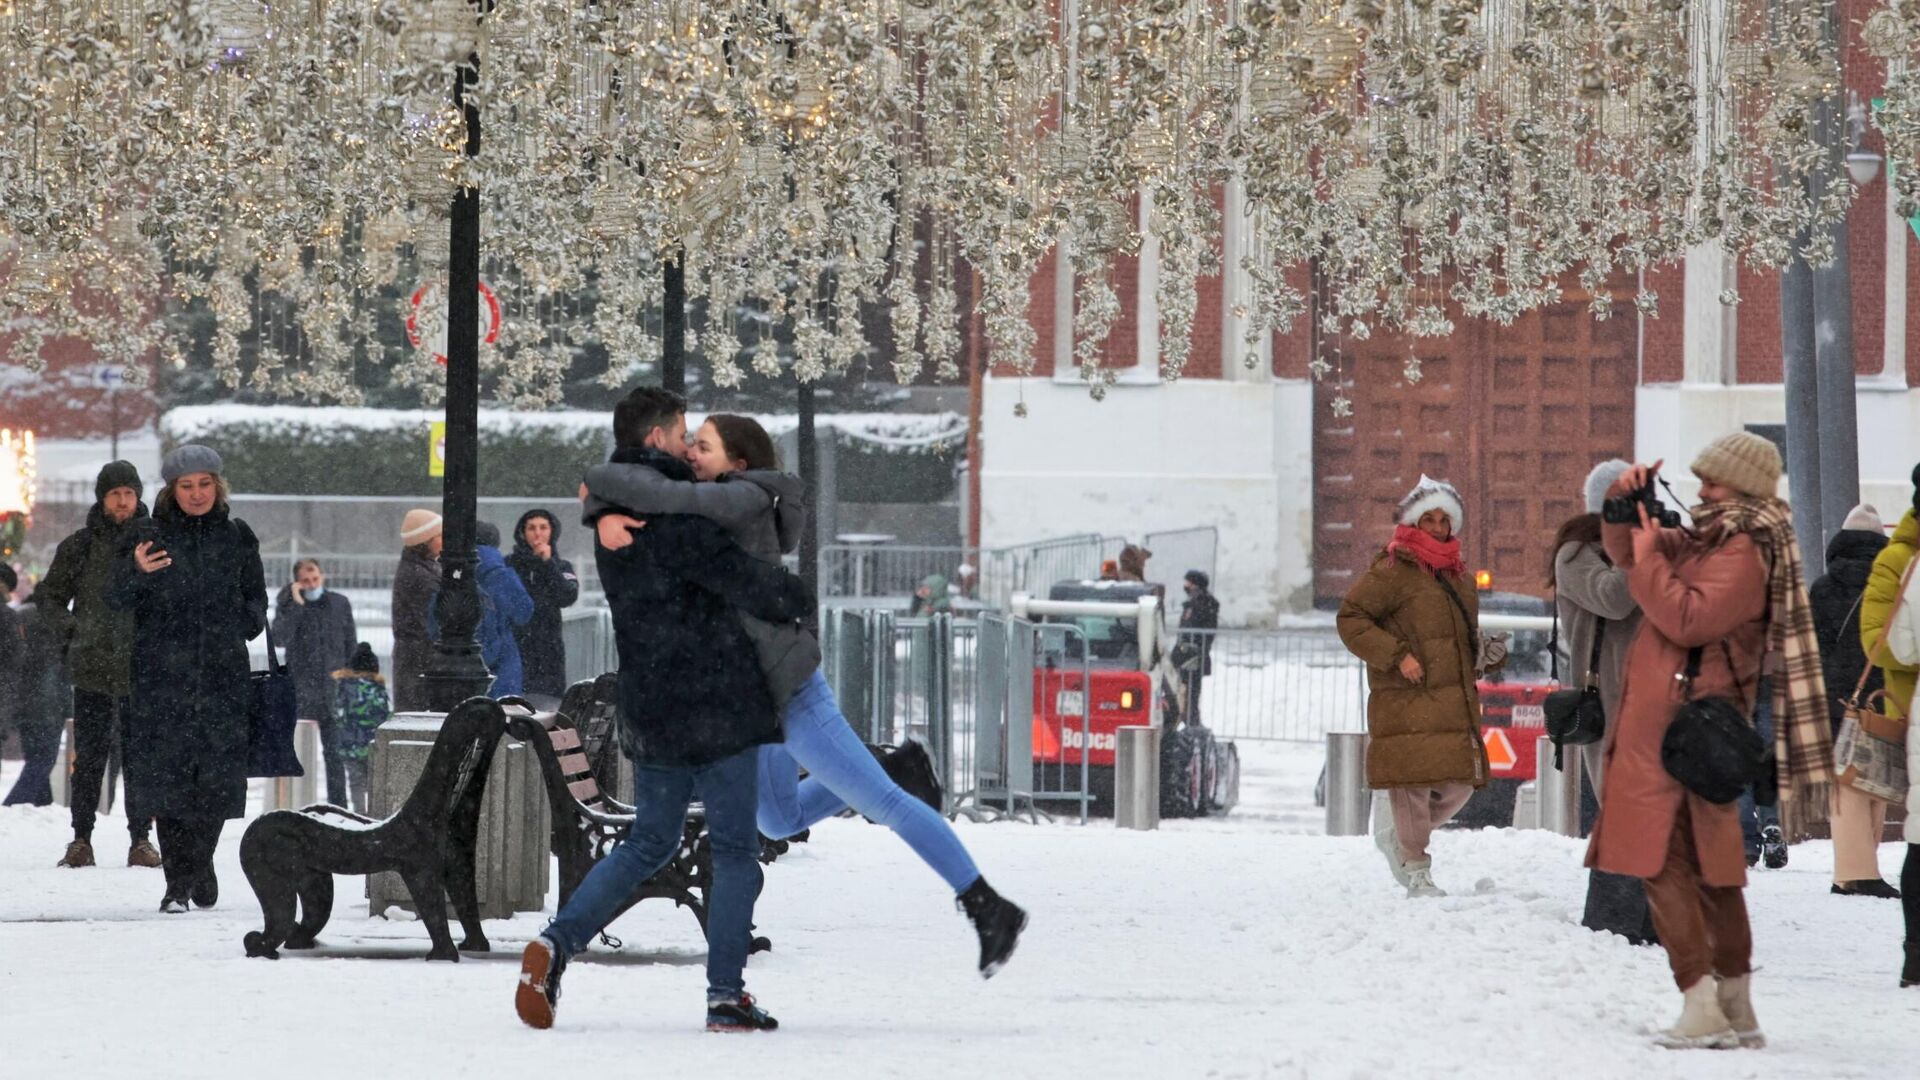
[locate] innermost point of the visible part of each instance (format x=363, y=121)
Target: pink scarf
x=1438, y=557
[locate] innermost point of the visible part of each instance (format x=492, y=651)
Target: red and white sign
x=430, y=297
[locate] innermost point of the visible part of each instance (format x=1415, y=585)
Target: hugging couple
x=721, y=697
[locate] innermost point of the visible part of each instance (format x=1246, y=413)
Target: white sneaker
x=1736, y=1001
x=1387, y=838
x=1420, y=881
x=1702, y=1024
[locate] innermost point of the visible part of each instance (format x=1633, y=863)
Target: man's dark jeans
x=97, y=737
x=1754, y=817
x=729, y=791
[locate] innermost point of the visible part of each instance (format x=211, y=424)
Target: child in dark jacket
x=360, y=706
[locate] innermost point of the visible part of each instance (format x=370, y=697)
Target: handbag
x=1870, y=753
x=1575, y=716
x=1711, y=747
x=271, y=716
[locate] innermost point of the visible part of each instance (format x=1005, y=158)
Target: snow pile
x=1230, y=948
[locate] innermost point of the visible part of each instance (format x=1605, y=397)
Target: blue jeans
x=1754, y=817
x=842, y=773
x=661, y=794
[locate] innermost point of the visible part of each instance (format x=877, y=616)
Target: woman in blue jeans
x=744, y=492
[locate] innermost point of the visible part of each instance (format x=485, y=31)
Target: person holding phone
x=314, y=629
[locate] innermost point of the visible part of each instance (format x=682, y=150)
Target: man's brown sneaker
x=79, y=853
x=142, y=853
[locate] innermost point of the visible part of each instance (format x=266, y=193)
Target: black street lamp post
x=457, y=671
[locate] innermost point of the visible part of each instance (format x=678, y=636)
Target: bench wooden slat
x=565, y=739
x=587, y=791
x=574, y=764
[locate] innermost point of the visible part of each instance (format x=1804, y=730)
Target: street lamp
x=1862, y=164
x=457, y=671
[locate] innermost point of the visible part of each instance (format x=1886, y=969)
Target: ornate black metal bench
x=588, y=822
x=292, y=855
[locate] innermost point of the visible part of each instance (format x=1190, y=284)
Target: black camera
x=1625, y=509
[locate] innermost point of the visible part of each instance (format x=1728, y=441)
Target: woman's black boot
x=998, y=922
x=1910, y=971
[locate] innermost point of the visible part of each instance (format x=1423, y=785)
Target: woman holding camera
x=1723, y=595
x=1414, y=620
x=1591, y=597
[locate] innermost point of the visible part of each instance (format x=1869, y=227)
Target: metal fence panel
x=1295, y=685
x=1175, y=553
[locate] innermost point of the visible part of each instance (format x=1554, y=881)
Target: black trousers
x=186, y=849
x=335, y=757
x=1910, y=892
x=96, y=739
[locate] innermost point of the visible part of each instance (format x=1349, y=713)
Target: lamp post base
x=453, y=676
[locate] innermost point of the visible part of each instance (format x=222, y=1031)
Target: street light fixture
x=1862, y=164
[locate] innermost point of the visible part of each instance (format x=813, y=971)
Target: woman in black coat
x=192, y=578
x=551, y=582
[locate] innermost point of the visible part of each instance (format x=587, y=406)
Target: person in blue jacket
x=505, y=606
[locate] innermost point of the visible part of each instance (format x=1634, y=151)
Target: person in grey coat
x=1590, y=596
x=414, y=584
x=314, y=630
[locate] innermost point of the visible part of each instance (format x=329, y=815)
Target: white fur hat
x=1431, y=494
x=1602, y=478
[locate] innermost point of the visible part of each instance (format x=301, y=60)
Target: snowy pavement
x=1248, y=947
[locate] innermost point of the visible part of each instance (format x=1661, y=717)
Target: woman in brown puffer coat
x=1731, y=587
x=1415, y=622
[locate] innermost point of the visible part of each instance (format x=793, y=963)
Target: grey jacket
x=763, y=510
x=1587, y=589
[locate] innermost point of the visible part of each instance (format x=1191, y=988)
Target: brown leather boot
x=79, y=854
x=142, y=853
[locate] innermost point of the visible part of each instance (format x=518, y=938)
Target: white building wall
x=1236, y=456
x=1676, y=421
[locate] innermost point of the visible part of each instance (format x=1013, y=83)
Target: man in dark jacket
x=693, y=708
x=99, y=640
x=1195, y=651
x=551, y=582
x=313, y=629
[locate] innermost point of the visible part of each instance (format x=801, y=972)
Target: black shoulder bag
x=1575, y=716
x=271, y=718
x=1711, y=747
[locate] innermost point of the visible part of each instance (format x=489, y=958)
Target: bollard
x=1136, y=778
x=300, y=792
x=1526, y=806
x=1559, y=789
x=1347, y=796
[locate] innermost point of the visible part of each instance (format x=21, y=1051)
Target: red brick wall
x=1293, y=350
x=1664, y=338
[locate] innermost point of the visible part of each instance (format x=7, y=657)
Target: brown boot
x=142, y=854
x=79, y=853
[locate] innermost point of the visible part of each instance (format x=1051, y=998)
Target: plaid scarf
x=1802, y=734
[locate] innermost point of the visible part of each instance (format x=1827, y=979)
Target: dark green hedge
x=303, y=459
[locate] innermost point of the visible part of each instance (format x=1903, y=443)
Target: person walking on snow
x=44, y=702
x=1723, y=599
x=414, y=584
x=99, y=642
x=551, y=582
x=1837, y=596
x=1591, y=597
x=314, y=630
x=764, y=510
x=192, y=579
x=1416, y=626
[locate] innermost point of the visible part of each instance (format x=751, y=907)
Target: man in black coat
x=1195, y=651
x=693, y=708
x=314, y=631
x=551, y=582
x=98, y=639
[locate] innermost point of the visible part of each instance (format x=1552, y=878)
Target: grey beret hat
x=187, y=460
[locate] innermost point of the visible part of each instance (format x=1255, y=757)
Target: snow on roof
x=886, y=429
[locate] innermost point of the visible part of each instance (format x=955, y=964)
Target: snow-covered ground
x=1246, y=947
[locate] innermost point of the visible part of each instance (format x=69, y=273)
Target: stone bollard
x=1347, y=797
x=512, y=866
x=1559, y=789
x=1136, y=778
x=299, y=792
x=1526, y=806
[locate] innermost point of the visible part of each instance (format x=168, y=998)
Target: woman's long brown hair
x=745, y=440
x=1581, y=529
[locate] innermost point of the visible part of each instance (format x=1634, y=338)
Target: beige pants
x=1419, y=811
x=1857, y=821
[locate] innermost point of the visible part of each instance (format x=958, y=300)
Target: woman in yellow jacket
x=1876, y=605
